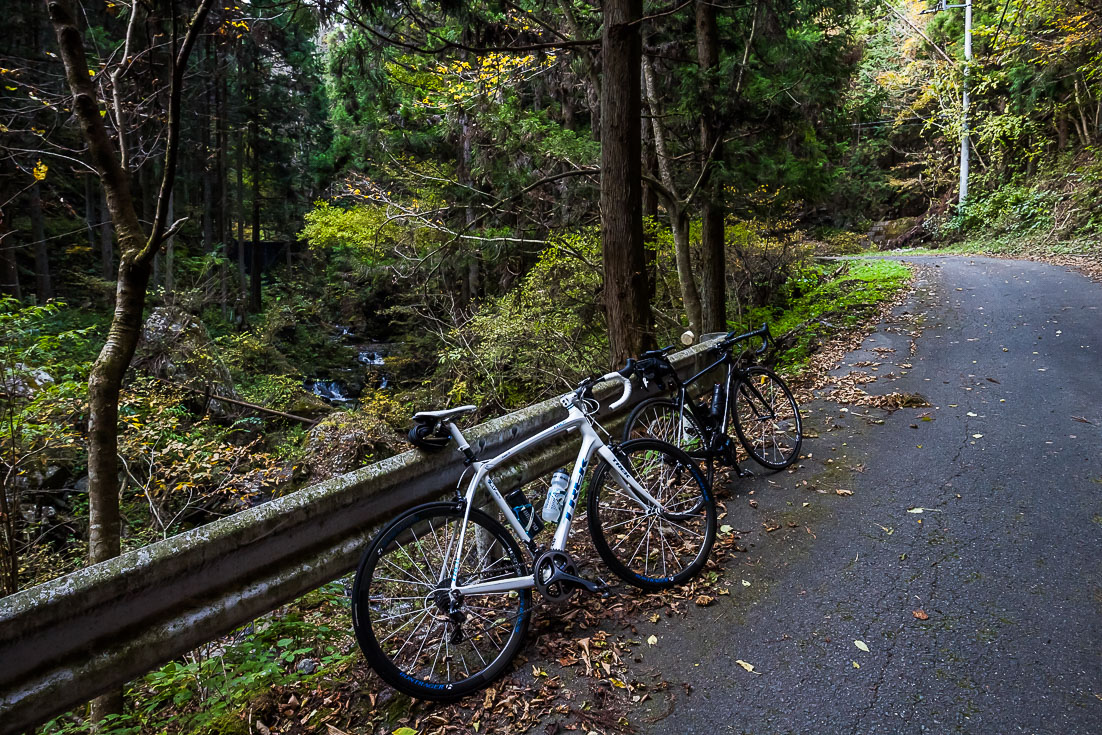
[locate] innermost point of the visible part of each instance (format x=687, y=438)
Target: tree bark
x=9, y=267
x=256, y=263
x=676, y=207
x=44, y=289
x=630, y=324
x=241, y=210
x=106, y=240
x=713, y=278
x=136, y=255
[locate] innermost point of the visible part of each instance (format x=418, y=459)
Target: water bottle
x=556, y=496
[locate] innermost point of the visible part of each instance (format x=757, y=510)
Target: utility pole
x=965, y=142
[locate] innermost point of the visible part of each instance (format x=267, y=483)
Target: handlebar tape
x=625, y=381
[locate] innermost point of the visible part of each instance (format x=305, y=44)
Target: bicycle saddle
x=434, y=416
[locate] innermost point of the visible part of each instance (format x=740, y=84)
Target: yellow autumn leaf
x=653, y=640
x=40, y=170
x=748, y=666
x=862, y=645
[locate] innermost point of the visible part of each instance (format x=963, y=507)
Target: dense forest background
x=381, y=207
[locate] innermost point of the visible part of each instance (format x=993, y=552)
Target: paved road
x=1005, y=559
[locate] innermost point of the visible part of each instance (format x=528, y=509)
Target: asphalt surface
x=1004, y=560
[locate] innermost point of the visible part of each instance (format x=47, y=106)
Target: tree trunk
x=208, y=167
x=255, y=302
x=170, y=253
x=136, y=255
x=675, y=207
x=222, y=176
x=713, y=278
x=630, y=325
x=43, y=285
x=9, y=268
x=241, y=209
x=90, y=210
x=106, y=241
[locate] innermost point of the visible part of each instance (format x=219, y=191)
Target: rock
x=307, y=666
x=23, y=381
x=50, y=477
x=345, y=440
x=897, y=233
x=175, y=346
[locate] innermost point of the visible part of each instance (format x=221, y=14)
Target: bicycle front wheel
x=419, y=638
x=662, y=418
x=767, y=419
x=652, y=546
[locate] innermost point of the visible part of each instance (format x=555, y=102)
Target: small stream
x=369, y=371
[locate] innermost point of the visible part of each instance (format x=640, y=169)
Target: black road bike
x=751, y=400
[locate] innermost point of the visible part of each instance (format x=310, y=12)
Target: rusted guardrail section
x=68, y=640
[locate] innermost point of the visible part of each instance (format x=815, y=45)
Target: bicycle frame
x=591, y=444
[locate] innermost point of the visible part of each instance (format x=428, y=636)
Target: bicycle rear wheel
x=652, y=547
x=767, y=419
x=417, y=638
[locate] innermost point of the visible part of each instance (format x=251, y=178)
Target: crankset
x=556, y=576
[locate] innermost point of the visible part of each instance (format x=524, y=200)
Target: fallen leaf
x=334, y=730
x=843, y=492
x=861, y=645
x=404, y=731
x=977, y=436
x=856, y=665
x=1081, y=420
x=994, y=381
x=748, y=666
x=653, y=640
x=972, y=413
x=745, y=583
x=916, y=510
x=920, y=614
x=654, y=618
x=725, y=529
x=704, y=600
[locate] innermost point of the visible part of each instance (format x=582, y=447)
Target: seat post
x=459, y=440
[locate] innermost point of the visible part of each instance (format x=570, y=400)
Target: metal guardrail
x=73, y=638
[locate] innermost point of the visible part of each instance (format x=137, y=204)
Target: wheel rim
x=664, y=421
x=426, y=642
x=655, y=544
x=770, y=429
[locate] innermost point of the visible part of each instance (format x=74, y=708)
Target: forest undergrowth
x=298, y=669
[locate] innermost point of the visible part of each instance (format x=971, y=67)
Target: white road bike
x=443, y=594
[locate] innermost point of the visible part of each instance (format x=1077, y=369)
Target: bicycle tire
x=395, y=584
x=771, y=437
x=621, y=529
x=662, y=418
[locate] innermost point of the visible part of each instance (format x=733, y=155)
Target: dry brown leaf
x=704, y=600
x=843, y=492
x=920, y=614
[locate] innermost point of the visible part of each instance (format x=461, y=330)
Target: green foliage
x=824, y=307
x=212, y=690
x=536, y=341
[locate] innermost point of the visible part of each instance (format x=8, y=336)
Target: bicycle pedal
x=744, y=473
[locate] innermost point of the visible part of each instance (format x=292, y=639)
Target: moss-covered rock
x=345, y=440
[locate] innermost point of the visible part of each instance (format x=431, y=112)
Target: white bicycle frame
x=591, y=444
